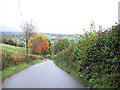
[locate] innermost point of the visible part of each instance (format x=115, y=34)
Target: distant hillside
x=7, y=29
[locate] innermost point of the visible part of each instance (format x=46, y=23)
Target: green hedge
x=95, y=59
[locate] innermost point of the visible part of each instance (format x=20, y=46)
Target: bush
x=21, y=45
x=17, y=59
x=34, y=57
x=4, y=40
x=6, y=59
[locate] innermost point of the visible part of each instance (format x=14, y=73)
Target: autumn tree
x=29, y=30
x=39, y=44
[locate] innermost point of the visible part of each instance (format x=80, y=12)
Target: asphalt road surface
x=43, y=75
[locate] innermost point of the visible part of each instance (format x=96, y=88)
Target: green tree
x=61, y=45
x=4, y=40
x=50, y=48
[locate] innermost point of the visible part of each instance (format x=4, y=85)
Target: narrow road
x=43, y=75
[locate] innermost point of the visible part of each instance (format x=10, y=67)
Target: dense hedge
x=61, y=45
x=95, y=58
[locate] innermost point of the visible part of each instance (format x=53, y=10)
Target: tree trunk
x=26, y=48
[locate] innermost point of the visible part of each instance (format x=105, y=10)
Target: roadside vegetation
x=11, y=70
x=94, y=60
x=13, y=60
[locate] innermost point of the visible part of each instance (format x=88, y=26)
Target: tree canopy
x=39, y=44
x=61, y=45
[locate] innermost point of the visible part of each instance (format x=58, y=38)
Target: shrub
x=17, y=59
x=6, y=59
x=4, y=40
x=21, y=45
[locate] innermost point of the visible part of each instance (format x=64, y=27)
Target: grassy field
x=72, y=38
x=13, y=49
x=51, y=37
x=19, y=39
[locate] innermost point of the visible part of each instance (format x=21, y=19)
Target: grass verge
x=9, y=71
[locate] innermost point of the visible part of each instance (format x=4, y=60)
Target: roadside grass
x=7, y=72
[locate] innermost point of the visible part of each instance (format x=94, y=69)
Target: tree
x=39, y=44
x=61, y=45
x=4, y=40
x=29, y=30
x=50, y=50
x=11, y=42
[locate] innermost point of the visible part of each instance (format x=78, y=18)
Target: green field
x=19, y=39
x=72, y=38
x=51, y=37
x=13, y=49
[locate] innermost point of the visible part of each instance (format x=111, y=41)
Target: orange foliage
x=33, y=57
x=39, y=43
x=17, y=59
x=43, y=45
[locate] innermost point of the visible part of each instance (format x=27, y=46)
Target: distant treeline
x=11, y=42
x=19, y=36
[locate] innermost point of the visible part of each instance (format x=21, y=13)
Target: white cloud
x=60, y=16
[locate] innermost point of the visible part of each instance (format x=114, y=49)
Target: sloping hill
x=13, y=49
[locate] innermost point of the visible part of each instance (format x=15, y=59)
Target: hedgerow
x=95, y=59
x=10, y=59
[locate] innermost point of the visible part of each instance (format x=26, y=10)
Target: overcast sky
x=59, y=16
